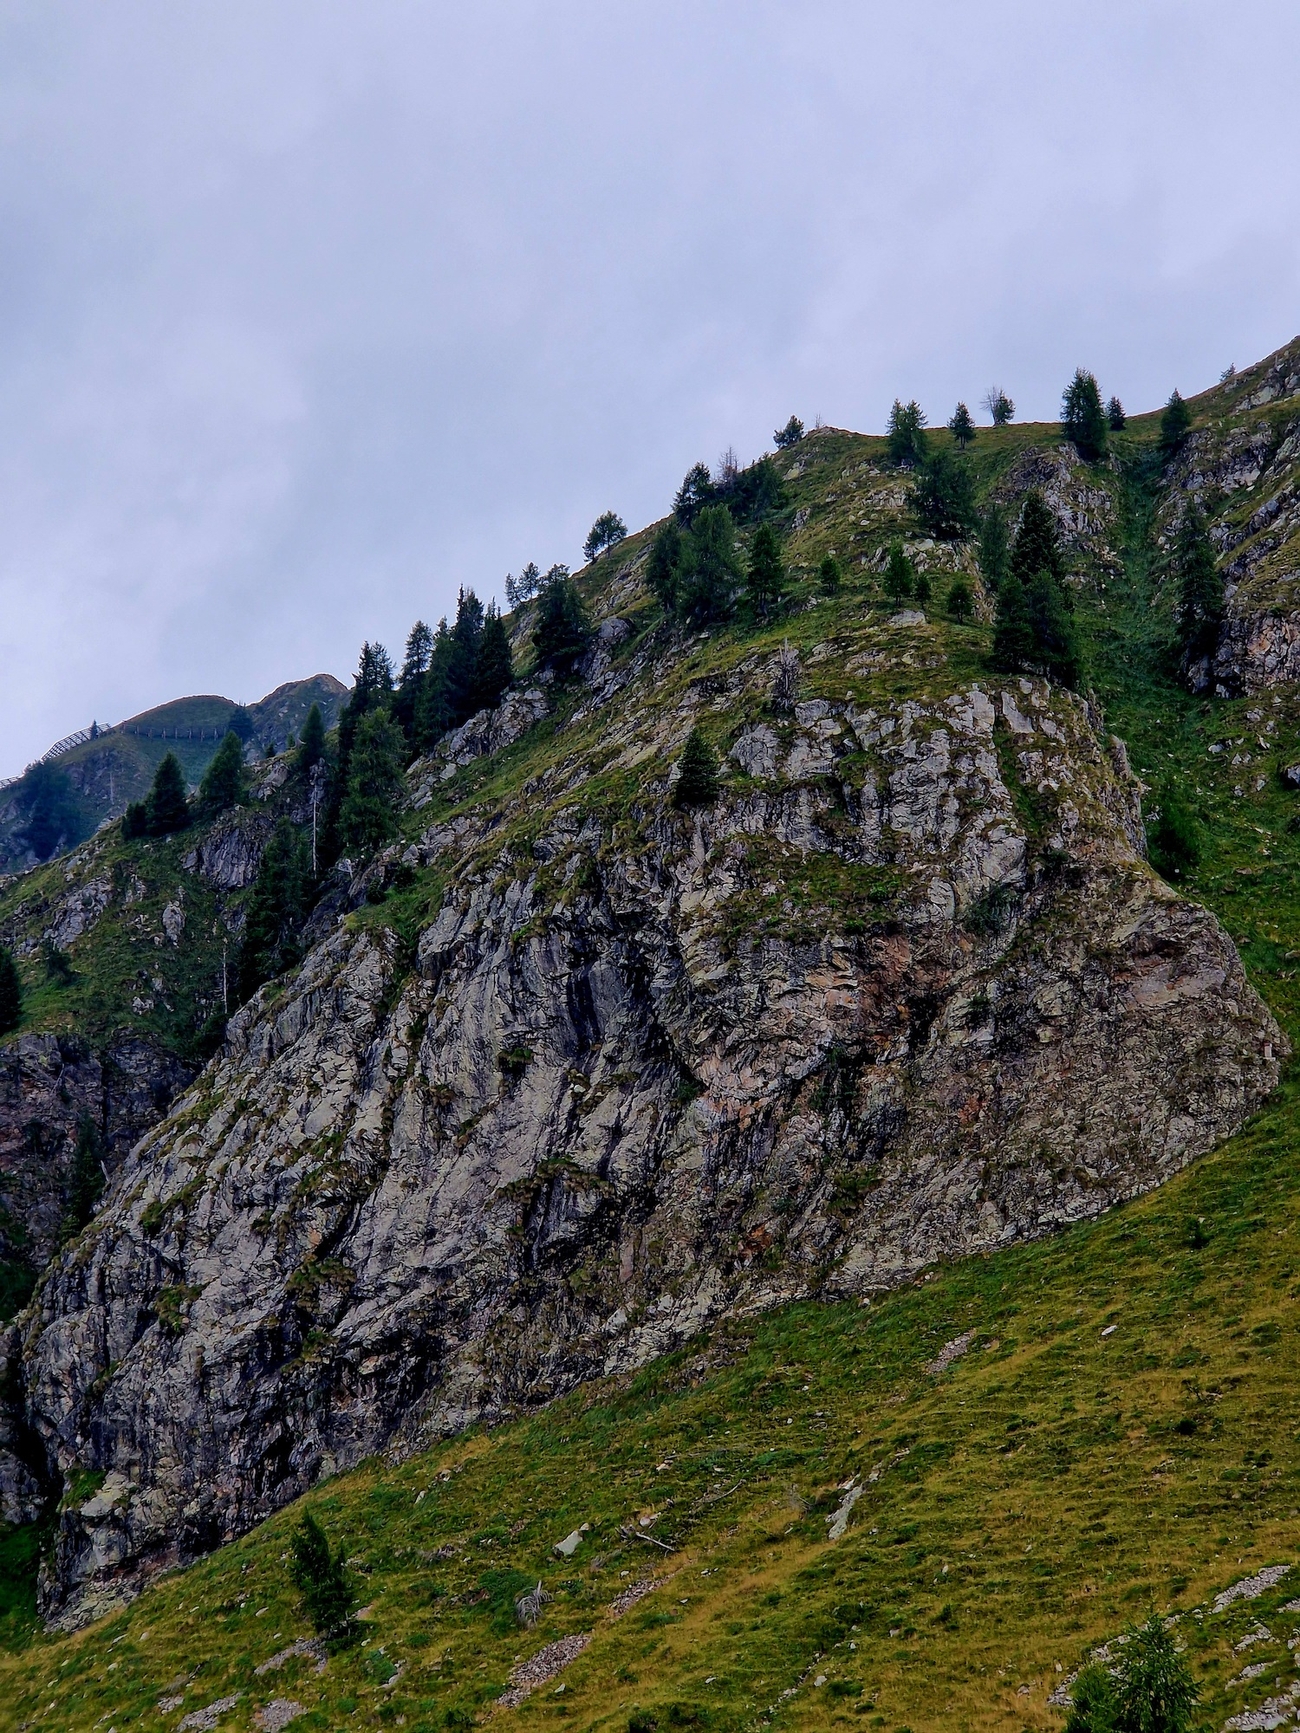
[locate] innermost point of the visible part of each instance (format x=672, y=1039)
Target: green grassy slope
x=1121, y=1431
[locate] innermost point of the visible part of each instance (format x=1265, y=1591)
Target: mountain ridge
x=908, y=992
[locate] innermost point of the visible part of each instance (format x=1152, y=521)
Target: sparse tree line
x=701, y=573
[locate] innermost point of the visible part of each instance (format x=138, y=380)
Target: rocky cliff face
x=1242, y=466
x=908, y=991
x=48, y=1083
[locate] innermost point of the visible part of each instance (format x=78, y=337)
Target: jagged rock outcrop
x=908, y=991
x=1243, y=469
x=47, y=1083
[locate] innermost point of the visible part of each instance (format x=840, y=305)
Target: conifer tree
x=697, y=783
x=921, y=588
x=563, y=629
x=368, y=816
x=789, y=435
x=906, y=433
x=433, y=712
x=523, y=588
x=493, y=666
x=710, y=568
x=961, y=427
x=276, y=908
x=693, y=495
x=662, y=566
x=766, y=572
x=463, y=656
x=961, y=604
x=607, y=531
x=1154, y=1687
x=223, y=784
x=1056, y=642
x=1200, y=587
x=86, y=1180
x=168, y=809
x=830, y=574
x=410, y=685
x=1115, y=416
x=1175, y=424
x=995, y=548
x=1036, y=548
x=11, y=992
x=898, y=574
x=311, y=747
x=318, y=1575
x=1083, y=420
x=1013, y=632
x=241, y=723
x=944, y=497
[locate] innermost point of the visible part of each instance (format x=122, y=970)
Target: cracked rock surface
x=908, y=991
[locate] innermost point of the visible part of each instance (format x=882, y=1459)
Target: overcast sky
x=310, y=313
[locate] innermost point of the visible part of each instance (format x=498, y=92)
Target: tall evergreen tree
x=277, y=906
x=1115, y=416
x=372, y=689
x=463, y=658
x=1175, y=424
x=241, y=723
x=693, y=495
x=995, y=548
x=961, y=426
x=662, y=566
x=368, y=817
x=1056, y=642
x=789, y=435
x=697, y=783
x=168, y=809
x=1036, y=547
x=523, y=588
x=906, y=433
x=1200, y=587
x=766, y=572
x=11, y=992
x=434, y=713
x=563, y=629
x=1083, y=420
x=830, y=574
x=224, y=784
x=944, y=497
x=898, y=574
x=961, y=604
x=493, y=666
x=710, y=568
x=1013, y=632
x=320, y=1578
x=311, y=747
x=410, y=684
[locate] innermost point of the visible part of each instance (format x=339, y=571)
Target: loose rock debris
x=1250, y=1588
x=949, y=1352
x=542, y=1668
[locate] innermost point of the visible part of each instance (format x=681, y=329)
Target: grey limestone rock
x=624, y=1087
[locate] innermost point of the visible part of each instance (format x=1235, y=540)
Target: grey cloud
x=309, y=314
